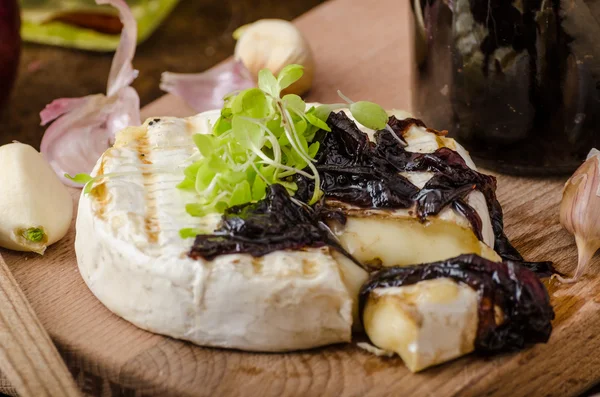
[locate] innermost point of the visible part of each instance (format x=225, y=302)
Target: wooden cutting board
x=361, y=48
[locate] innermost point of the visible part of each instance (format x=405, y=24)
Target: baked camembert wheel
x=393, y=229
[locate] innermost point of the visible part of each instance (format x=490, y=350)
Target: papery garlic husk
x=580, y=211
x=274, y=44
x=83, y=128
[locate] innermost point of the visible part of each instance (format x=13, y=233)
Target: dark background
x=196, y=36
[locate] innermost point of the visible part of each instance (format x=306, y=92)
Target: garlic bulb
x=580, y=211
x=274, y=44
x=35, y=207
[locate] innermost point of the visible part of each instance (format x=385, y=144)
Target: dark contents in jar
x=517, y=82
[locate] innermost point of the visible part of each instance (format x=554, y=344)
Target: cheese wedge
x=132, y=258
x=380, y=237
x=426, y=324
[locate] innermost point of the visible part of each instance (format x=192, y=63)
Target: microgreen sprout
x=371, y=115
x=259, y=139
x=33, y=234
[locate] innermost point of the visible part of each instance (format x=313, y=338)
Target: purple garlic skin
x=580, y=211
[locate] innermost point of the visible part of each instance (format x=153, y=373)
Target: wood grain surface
x=361, y=47
x=27, y=356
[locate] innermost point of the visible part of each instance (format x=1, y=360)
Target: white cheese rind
x=132, y=258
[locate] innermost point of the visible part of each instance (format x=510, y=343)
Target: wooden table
x=102, y=349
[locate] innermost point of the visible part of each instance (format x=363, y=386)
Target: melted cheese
x=426, y=324
x=388, y=241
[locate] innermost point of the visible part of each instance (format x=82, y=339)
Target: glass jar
x=517, y=82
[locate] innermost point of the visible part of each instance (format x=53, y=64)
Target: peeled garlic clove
x=580, y=211
x=35, y=207
x=274, y=44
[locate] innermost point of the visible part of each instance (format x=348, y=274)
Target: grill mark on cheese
x=309, y=267
x=129, y=135
x=190, y=128
x=357, y=212
x=392, y=215
x=100, y=193
x=257, y=265
x=151, y=225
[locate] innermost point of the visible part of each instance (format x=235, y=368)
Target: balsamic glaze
x=272, y=224
x=517, y=291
